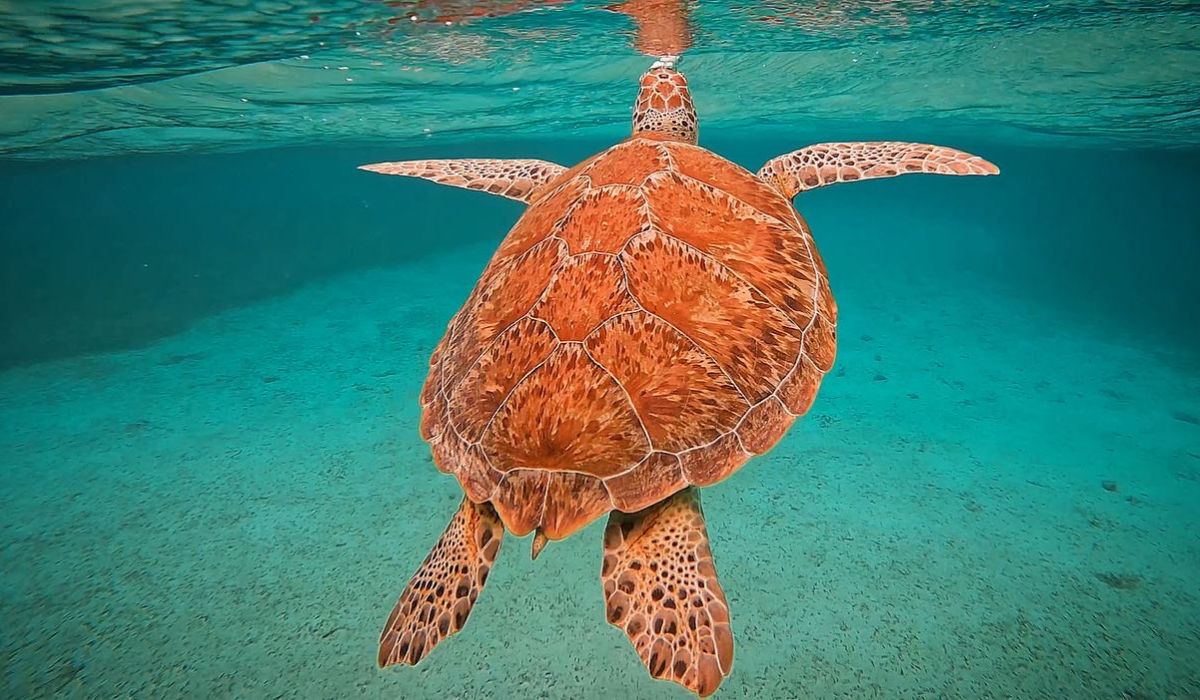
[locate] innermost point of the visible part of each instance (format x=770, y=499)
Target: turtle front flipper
x=660, y=587
x=830, y=163
x=521, y=180
x=438, y=599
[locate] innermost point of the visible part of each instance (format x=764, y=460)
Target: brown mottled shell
x=656, y=318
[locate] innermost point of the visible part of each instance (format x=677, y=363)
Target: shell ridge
x=755, y=293
x=735, y=274
x=624, y=392
x=816, y=305
x=666, y=152
x=733, y=197
x=570, y=209
x=456, y=470
x=554, y=227
x=487, y=425
x=642, y=309
x=798, y=231
x=485, y=348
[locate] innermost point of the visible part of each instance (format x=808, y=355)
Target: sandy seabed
x=231, y=512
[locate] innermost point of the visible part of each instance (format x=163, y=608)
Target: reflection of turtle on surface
x=462, y=11
x=661, y=26
x=656, y=317
x=831, y=17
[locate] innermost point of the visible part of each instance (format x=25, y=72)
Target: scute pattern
x=568, y=415
x=433, y=405
x=752, y=339
x=628, y=163
x=526, y=344
x=479, y=480
x=616, y=344
x=504, y=294
x=586, y=291
x=763, y=252
x=539, y=220
x=603, y=220
x=799, y=388
x=644, y=485
x=821, y=339
x=572, y=498
x=730, y=178
x=710, y=463
x=764, y=425
x=652, y=361
x=520, y=499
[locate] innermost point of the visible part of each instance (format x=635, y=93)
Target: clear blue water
x=214, y=330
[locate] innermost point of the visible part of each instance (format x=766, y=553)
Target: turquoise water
x=215, y=330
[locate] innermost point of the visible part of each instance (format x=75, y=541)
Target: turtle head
x=664, y=105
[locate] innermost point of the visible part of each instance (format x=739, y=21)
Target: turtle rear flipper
x=438, y=599
x=660, y=587
x=521, y=180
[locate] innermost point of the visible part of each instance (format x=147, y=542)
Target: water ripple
x=143, y=76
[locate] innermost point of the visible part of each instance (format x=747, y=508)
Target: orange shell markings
x=658, y=316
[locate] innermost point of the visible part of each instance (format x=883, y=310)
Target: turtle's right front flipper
x=830, y=163
x=521, y=180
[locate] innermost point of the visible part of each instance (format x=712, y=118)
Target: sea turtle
x=657, y=316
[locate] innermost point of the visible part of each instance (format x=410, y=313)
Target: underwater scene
x=553, y=349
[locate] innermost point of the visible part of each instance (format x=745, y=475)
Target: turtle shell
x=653, y=320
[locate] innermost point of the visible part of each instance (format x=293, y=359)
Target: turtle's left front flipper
x=830, y=163
x=521, y=180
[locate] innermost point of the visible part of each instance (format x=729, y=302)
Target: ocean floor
x=987, y=501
